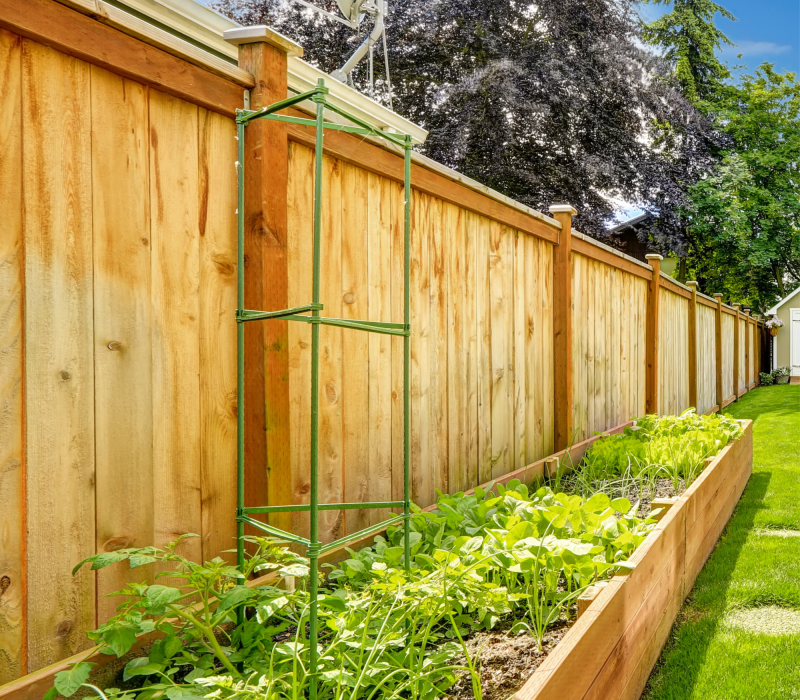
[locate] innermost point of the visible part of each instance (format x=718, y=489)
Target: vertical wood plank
x=421, y=481
x=483, y=313
x=534, y=400
x=720, y=388
x=123, y=395
x=518, y=348
x=546, y=271
x=300, y=234
x=379, y=420
x=398, y=282
x=12, y=265
x=579, y=346
x=438, y=348
x=692, y=347
x=217, y=211
x=355, y=344
x=614, y=381
x=457, y=382
x=59, y=363
x=331, y=447
x=502, y=411
x=651, y=335
x=175, y=299
x=471, y=232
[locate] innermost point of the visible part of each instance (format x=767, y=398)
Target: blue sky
x=765, y=30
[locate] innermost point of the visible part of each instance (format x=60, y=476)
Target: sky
x=765, y=30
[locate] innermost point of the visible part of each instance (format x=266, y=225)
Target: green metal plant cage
x=310, y=313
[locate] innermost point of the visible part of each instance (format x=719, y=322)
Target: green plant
x=781, y=372
x=766, y=378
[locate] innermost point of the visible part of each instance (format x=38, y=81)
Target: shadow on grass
x=685, y=652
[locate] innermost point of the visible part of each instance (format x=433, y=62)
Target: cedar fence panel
x=118, y=345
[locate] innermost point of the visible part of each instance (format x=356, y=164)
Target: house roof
x=774, y=309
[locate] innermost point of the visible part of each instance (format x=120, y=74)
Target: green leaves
x=68, y=682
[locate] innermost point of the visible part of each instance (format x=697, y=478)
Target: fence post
x=757, y=349
x=718, y=350
x=693, y=345
x=264, y=53
x=562, y=327
x=747, y=331
x=651, y=334
x=736, y=351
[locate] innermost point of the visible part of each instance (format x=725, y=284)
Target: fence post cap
x=718, y=295
x=262, y=34
x=563, y=209
x=691, y=284
x=654, y=256
x=736, y=305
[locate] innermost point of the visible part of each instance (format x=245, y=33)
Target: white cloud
x=756, y=48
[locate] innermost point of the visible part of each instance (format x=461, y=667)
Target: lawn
x=753, y=575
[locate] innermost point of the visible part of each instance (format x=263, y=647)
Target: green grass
x=704, y=658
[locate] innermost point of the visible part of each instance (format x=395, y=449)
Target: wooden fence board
x=331, y=446
x=122, y=322
x=59, y=362
x=175, y=265
x=457, y=348
x=380, y=358
x=217, y=212
x=12, y=265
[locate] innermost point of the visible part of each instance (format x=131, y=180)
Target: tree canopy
x=746, y=215
x=553, y=102
x=690, y=41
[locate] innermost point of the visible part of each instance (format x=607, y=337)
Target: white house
x=786, y=346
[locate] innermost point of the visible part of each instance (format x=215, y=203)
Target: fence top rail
x=675, y=282
x=610, y=249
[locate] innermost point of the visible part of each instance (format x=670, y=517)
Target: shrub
x=781, y=372
x=766, y=379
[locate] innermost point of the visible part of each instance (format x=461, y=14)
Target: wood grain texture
x=59, y=361
x=379, y=234
x=331, y=445
x=300, y=208
x=122, y=322
x=706, y=359
x=652, y=338
x=175, y=310
x=673, y=361
x=608, y=362
x=563, y=330
x=217, y=213
x=355, y=344
x=12, y=451
x=75, y=34
x=727, y=343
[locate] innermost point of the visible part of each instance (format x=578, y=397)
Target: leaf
x=300, y=570
x=158, y=595
x=171, y=646
x=235, y=596
x=147, y=669
x=120, y=639
x=136, y=560
x=51, y=694
x=67, y=682
x=134, y=664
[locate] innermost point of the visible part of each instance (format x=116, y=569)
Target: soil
x=664, y=488
x=506, y=661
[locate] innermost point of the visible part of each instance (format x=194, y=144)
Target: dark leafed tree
x=690, y=41
x=547, y=102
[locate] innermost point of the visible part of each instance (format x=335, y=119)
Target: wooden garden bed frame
x=610, y=651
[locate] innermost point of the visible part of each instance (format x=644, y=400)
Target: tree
x=690, y=40
x=746, y=215
x=545, y=102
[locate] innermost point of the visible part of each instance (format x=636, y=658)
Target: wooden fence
x=117, y=340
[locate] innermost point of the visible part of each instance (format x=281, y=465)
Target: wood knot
x=64, y=628
x=5, y=582
x=114, y=345
x=303, y=345
x=116, y=543
x=65, y=375
x=331, y=393
x=349, y=298
x=145, y=241
x=305, y=488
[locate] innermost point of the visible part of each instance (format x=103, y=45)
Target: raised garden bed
x=610, y=651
